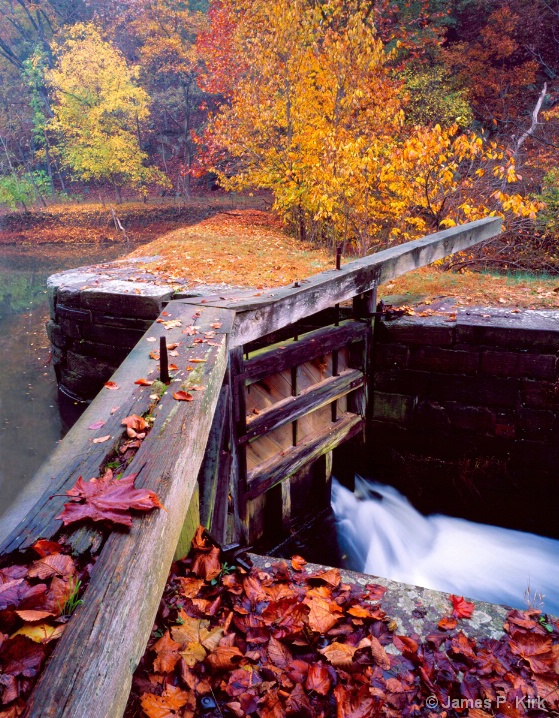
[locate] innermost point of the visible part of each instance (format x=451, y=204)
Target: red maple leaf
x=107, y=499
x=462, y=608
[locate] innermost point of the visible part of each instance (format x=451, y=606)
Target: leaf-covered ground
x=240, y=247
x=283, y=642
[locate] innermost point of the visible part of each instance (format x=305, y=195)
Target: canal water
x=381, y=533
x=32, y=416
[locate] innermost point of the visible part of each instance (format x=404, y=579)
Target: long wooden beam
x=90, y=672
x=262, y=313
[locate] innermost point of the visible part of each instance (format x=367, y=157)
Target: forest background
x=365, y=122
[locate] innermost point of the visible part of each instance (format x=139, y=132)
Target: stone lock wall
x=466, y=414
x=96, y=318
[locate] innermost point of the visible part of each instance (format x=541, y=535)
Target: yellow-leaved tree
x=97, y=110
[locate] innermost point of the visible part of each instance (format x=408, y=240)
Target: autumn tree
x=166, y=31
x=98, y=108
x=312, y=115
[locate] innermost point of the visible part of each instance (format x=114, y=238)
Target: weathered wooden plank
x=92, y=667
x=279, y=468
x=309, y=346
x=293, y=407
x=275, y=309
x=209, y=470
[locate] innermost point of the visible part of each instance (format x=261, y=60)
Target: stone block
x=540, y=394
x=55, y=334
x=70, y=328
x=123, y=322
x=537, y=424
x=519, y=364
x=475, y=390
x=114, y=355
x=470, y=418
x=391, y=356
x=417, y=330
x=392, y=407
x=88, y=366
x=111, y=335
x=127, y=299
x=405, y=381
x=431, y=358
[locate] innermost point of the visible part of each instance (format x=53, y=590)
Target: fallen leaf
x=183, y=396
x=448, y=623
x=151, y=339
x=318, y=679
x=135, y=422
x=168, y=703
x=168, y=653
x=462, y=608
x=107, y=500
x=340, y=655
x=144, y=382
x=101, y=439
x=111, y=385
x=298, y=562
x=196, y=361
x=58, y=564
x=97, y=425
x=41, y=632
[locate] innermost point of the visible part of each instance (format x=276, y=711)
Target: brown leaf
x=298, y=702
x=135, y=422
x=271, y=706
x=32, y=616
x=107, y=500
x=340, y=655
x=20, y=656
x=207, y=565
x=144, y=382
x=298, y=562
x=190, y=587
x=101, y=439
x=279, y=654
x=58, y=564
x=331, y=576
x=223, y=658
x=182, y=396
x=318, y=679
x=111, y=385
x=323, y=614
x=45, y=548
x=380, y=656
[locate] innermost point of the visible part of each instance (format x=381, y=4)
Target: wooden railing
x=90, y=672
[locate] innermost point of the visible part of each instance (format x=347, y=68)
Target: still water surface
x=31, y=420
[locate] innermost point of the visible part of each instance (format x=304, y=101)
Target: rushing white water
x=382, y=534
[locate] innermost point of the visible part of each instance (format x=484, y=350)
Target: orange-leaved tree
x=314, y=114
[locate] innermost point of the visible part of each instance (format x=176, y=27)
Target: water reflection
x=30, y=415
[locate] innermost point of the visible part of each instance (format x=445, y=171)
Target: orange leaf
x=144, y=382
x=101, y=439
x=135, y=422
x=168, y=654
x=111, y=385
x=298, y=562
x=182, y=396
x=318, y=679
